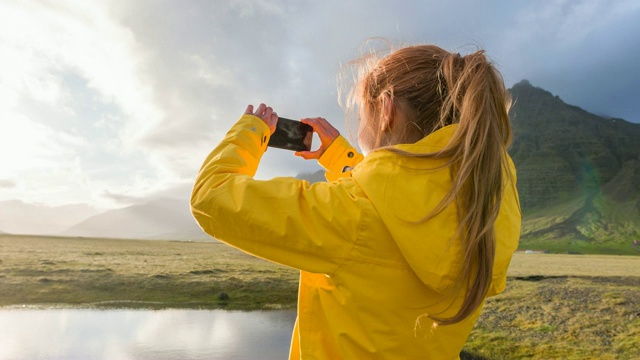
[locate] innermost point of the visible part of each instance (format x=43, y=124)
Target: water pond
x=144, y=334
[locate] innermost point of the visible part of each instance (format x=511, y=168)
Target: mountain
x=578, y=175
x=160, y=219
x=17, y=217
x=312, y=177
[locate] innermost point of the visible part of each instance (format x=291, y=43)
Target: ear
x=388, y=113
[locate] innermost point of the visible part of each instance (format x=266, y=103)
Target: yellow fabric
x=339, y=159
x=369, y=274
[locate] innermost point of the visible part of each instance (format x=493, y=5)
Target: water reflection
x=144, y=334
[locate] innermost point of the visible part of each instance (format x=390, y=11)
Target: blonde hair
x=434, y=88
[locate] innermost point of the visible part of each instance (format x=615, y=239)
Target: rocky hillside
x=578, y=175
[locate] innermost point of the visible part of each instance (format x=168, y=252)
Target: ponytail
x=477, y=100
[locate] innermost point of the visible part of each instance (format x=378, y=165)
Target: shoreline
x=128, y=306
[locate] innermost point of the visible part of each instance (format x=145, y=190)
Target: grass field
x=555, y=306
x=138, y=273
x=561, y=317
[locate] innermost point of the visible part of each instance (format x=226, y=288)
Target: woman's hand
x=326, y=132
x=265, y=113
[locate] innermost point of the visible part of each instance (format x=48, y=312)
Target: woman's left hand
x=326, y=132
x=265, y=113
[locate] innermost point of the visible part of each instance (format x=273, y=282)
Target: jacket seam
x=291, y=245
x=353, y=246
x=364, y=259
x=393, y=265
x=369, y=260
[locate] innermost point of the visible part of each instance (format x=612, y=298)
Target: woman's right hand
x=266, y=114
x=326, y=132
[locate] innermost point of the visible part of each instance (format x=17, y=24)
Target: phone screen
x=291, y=135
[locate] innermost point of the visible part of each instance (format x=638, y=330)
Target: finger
x=322, y=130
x=326, y=126
x=319, y=121
x=307, y=155
x=260, y=110
x=306, y=121
x=312, y=122
x=329, y=133
x=249, y=109
x=320, y=125
x=268, y=111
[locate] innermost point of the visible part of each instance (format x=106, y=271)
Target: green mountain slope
x=578, y=176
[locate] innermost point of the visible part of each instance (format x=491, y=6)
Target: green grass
x=561, y=318
x=569, y=245
x=563, y=307
x=137, y=273
x=586, y=225
x=555, y=306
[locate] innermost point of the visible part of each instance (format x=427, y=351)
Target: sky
x=113, y=103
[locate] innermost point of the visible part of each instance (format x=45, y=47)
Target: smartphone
x=291, y=135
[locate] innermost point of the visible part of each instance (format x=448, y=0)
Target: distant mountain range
x=161, y=219
x=18, y=217
x=578, y=179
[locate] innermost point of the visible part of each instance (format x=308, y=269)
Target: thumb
x=307, y=155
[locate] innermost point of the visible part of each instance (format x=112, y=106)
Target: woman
x=400, y=248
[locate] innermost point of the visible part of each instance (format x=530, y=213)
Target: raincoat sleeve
x=285, y=220
x=339, y=159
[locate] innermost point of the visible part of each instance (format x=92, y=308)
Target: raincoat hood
x=431, y=247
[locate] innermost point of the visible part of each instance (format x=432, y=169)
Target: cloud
x=116, y=102
x=25, y=144
x=45, y=38
x=66, y=67
x=7, y=184
x=123, y=199
x=130, y=196
x=204, y=79
x=580, y=50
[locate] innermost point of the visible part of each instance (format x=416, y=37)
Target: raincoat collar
x=437, y=139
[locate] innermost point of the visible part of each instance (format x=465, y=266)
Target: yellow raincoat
x=369, y=273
